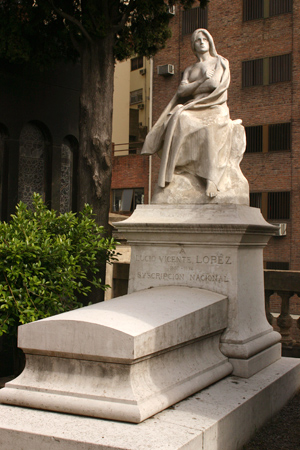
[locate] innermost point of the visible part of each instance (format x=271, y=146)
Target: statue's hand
x=209, y=73
x=182, y=88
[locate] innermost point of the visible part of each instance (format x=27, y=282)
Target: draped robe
x=194, y=137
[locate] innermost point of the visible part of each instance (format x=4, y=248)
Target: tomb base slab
x=222, y=417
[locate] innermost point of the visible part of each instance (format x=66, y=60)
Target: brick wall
x=131, y=171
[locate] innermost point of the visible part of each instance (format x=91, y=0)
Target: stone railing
x=282, y=300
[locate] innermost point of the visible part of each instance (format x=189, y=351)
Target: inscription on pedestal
x=206, y=259
x=182, y=277
x=187, y=266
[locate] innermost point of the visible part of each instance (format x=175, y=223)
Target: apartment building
x=131, y=122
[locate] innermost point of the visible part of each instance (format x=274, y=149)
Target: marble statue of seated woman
x=195, y=135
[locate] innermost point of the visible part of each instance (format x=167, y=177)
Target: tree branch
x=92, y=20
x=125, y=17
x=75, y=42
x=105, y=8
x=71, y=19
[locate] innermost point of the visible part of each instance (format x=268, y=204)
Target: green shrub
x=46, y=260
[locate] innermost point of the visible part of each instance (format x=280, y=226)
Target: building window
x=125, y=200
x=278, y=205
x=31, y=163
x=256, y=199
x=252, y=73
x=280, y=68
x=277, y=265
x=277, y=7
x=268, y=138
x=137, y=63
x=259, y=9
x=68, y=172
x=254, y=138
x=34, y=164
x=266, y=71
x=253, y=9
x=136, y=96
x=192, y=19
x=273, y=205
x=279, y=137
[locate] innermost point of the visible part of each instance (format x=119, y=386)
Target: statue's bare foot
x=211, y=189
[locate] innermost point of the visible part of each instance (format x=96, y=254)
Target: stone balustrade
x=282, y=301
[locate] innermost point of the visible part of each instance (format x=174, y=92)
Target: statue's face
x=201, y=43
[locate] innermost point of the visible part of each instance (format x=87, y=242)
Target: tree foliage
x=97, y=32
x=46, y=261
x=44, y=31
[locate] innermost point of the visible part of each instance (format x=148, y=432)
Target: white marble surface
x=213, y=247
x=128, y=327
x=210, y=214
x=125, y=359
x=222, y=417
x=233, y=188
x=200, y=146
x=245, y=368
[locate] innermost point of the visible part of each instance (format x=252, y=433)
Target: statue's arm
x=187, y=88
x=213, y=78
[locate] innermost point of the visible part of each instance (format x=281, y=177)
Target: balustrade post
x=268, y=294
x=285, y=321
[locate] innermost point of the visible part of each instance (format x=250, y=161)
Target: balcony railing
x=282, y=300
x=128, y=148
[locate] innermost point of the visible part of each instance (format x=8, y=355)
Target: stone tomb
x=194, y=314
x=125, y=359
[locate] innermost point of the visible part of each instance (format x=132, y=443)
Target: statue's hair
x=212, y=48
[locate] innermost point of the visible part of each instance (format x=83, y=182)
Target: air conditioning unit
x=281, y=229
x=141, y=106
x=165, y=70
x=143, y=71
x=172, y=10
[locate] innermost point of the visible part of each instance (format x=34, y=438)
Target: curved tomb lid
x=129, y=327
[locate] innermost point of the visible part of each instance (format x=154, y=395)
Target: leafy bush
x=46, y=260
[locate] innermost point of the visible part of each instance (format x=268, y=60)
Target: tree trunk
x=95, y=130
x=95, y=127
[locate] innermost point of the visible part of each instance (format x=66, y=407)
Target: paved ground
x=281, y=433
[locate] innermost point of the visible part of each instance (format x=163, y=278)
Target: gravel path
x=282, y=432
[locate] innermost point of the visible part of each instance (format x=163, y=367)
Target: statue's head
x=195, y=37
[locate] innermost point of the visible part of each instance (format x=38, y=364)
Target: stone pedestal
x=213, y=247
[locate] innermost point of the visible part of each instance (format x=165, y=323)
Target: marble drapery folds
x=194, y=137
